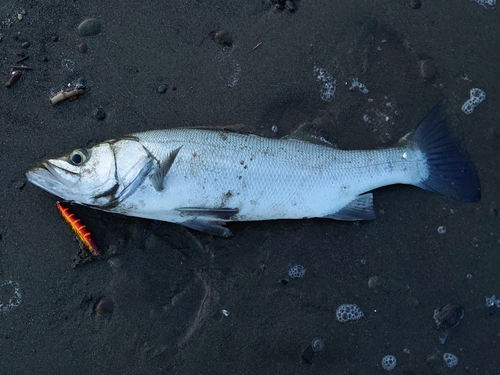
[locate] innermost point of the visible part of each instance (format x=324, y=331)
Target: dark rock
x=83, y=47
x=162, y=89
x=89, y=27
x=99, y=113
x=104, y=306
x=415, y=4
x=428, y=70
x=223, y=37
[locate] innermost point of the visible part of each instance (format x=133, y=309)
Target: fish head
x=100, y=176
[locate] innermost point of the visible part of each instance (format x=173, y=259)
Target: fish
x=203, y=179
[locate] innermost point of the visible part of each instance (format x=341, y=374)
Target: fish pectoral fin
x=208, y=213
x=360, y=208
x=213, y=227
x=158, y=177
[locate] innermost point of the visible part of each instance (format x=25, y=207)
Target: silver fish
x=205, y=178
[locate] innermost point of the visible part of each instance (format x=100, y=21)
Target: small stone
x=104, y=306
x=375, y=282
x=25, y=44
x=89, y=27
x=290, y=5
x=428, y=70
x=99, y=113
x=415, y=4
x=162, y=89
x=223, y=37
x=83, y=47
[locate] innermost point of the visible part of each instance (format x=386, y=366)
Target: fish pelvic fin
x=208, y=220
x=451, y=172
x=213, y=227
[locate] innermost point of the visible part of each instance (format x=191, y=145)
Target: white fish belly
x=264, y=178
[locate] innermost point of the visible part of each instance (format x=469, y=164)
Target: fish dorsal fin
x=360, y=208
x=158, y=177
x=315, y=131
x=234, y=128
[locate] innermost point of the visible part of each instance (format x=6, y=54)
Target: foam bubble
x=348, y=312
x=389, y=362
x=450, y=359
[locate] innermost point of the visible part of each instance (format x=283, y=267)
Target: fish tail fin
x=451, y=173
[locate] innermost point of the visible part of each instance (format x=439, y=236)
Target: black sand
x=169, y=288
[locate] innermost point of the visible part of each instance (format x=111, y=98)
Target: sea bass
x=204, y=178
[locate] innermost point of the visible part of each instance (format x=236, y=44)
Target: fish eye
x=78, y=157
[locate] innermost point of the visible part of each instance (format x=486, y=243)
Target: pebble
x=162, y=89
x=290, y=5
x=427, y=70
x=317, y=345
x=415, y=4
x=83, y=47
x=99, y=113
x=375, y=282
x=89, y=27
x=223, y=37
x=104, y=306
x=25, y=44
x=441, y=229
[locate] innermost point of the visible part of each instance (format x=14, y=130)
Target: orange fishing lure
x=80, y=229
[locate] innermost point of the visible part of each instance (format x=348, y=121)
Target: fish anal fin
x=211, y=213
x=360, y=208
x=158, y=177
x=215, y=228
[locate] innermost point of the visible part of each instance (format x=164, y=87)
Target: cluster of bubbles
x=355, y=83
x=348, y=312
x=491, y=3
x=328, y=84
x=451, y=360
x=389, y=362
x=492, y=301
x=296, y=271
x=476, y=97
x=16, y=297
x=441, y=229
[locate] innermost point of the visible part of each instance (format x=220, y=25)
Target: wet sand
x=169, y=285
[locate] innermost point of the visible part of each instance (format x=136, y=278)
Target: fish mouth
x=50, y=177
